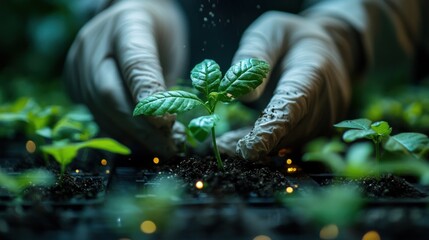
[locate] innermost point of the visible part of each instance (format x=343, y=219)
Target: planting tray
x=121, y=210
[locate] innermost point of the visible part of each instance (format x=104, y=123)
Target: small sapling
x=240, y=79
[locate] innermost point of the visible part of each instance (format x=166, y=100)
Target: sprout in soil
x=240, y=79
x=379, y=133
x=356, y=162
x=64, y=151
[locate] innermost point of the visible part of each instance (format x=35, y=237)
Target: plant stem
x=377, y=150
x=377, y=143
x=216, y=151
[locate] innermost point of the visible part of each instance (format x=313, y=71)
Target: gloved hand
x=127, y=52
x=312, y=60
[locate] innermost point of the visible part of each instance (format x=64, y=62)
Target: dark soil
x=240, y=177
x=68, y=188
x=386, y=186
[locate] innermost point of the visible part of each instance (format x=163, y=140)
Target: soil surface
x=240, y=177
x=386, y=186
x=68, y=188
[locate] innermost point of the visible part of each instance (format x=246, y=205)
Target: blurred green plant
x=405, y=152
x=76, y=125
x=65, y=151
x=337, y=205
x=379, y=133
x=16, y=184
x=26, y=116
x=406, y=108
x=35, y=38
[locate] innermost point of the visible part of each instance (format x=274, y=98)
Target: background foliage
x=35, y=36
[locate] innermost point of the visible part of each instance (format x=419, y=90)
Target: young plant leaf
x=362, y=124
x=243, y=77
x=359, y=153
x=201, y=127
x=331, y=159
x=107, y=144
x=64, y=152
x=167, y=102
x=410, y=142
x=382, y=128
x=354, y=134
x=206, y=76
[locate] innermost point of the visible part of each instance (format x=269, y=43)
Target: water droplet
x=205, y=19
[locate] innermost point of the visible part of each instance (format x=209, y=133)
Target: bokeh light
x=148, y=227
x=330, y=231
x=199, y=185
x=262, y=237
x=30, y=146
x=371, y=235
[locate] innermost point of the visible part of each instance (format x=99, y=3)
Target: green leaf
x=64, y=152
x=332, y=160
x=201, y=127
x=206, y=76
x=243, y=77
x=107, y=144
x=13, y=117
x=354, y=134
x=359, y=153
x=167, y=102
x=362, y=124
x=382, y=128
x=406, y=141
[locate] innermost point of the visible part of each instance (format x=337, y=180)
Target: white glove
x=312, y=70
x=127, y=52
x=316, y=55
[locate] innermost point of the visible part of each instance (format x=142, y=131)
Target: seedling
x=356, y=162
x=240, y=79
x=64, y=151
x=26, y=116
x=379, y=133
x=76, y=125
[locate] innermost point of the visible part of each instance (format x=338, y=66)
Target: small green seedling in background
x=26, y=116
x=240, y=79
x=64, y=151
x=76, y=125
x=339, y=205
x=16, y=184
x=379, y=133
x=355, y=161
